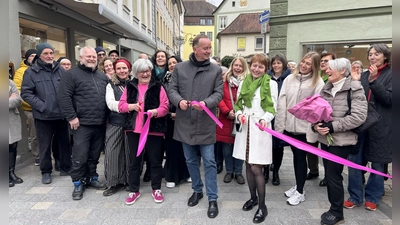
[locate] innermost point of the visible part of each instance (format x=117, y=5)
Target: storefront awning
x=106, y=18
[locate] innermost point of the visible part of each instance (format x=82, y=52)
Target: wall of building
x=229, y=46
x=339, y=30
x=189, y=32
x=315, y=6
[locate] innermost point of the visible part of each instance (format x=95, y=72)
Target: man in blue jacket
x=39, y=89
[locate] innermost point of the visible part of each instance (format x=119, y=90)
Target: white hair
x=213, y=61
x=340, y=64
x=84, y=49
x=224, y=69
x=141, y=65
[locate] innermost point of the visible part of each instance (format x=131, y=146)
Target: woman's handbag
x=373, y=116
x=235, y=122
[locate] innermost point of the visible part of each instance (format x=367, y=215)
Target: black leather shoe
x=239, y=178
x=228, y=177
x=212, y=211
x=15, y=178
x=46, y=178
x=327, y=218
x=112, y=190
x=219, y=168
x=10, y=183
x=250, y=204
x=194, y=199
x=322, y=183
x=275, y=178
x=260, y=215
x=311, y=176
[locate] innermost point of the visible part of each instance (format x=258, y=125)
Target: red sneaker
x=370, y=206
x=348, y=204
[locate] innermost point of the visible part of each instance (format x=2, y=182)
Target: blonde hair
x=315, y=60
x=241, y=76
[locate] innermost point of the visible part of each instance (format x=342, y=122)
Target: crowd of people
x=106, y=103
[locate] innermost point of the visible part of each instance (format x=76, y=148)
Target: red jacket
x=225, y=106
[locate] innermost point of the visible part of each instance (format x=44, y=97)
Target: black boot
x=12, y=158
x=275, y=177
x=10, y=183
x=219, y=168
x=57, y=165
x=15, y=178
x=266, y=173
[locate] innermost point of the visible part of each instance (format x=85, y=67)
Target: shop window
x=349, y=50
x=81, y=41
x=33, y=33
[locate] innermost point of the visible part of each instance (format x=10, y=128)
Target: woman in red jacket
x=235, y=74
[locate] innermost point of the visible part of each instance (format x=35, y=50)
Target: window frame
x=255, y=43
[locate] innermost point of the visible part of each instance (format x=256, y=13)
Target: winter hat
x=42, y=46
x=29, y=52
x=99, y=49
x=117, y=52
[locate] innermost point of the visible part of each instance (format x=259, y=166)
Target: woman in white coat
x=256, y=103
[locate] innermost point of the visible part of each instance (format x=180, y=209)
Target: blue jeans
x=355, y=185
x=210, y=168
x=232, y=164
x=375, y=185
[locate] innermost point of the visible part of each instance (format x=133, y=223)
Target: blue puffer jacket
x=39, y=89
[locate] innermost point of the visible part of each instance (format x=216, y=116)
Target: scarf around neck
x=234, y=82
x=159, y=72
x=249, y=87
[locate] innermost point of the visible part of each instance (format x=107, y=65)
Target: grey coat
x=342, y=123
x=14, y=128
x=190, y=82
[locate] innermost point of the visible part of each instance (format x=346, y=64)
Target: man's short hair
x=197, y=39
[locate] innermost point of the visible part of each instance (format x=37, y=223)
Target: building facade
x=198, y=20
x=346, y=28
x=229, y=10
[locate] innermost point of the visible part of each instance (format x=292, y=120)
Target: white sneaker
x=291, y=191
x=296, y=198
x=170, y=184
x=189, y=180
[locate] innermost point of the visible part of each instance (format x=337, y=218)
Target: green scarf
x=323, y=75
x=248, y=89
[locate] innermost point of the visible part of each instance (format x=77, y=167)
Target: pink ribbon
x=144, y=133
x=319, y=152
x=210, y=114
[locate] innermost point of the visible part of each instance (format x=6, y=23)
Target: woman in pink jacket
x=144, y=94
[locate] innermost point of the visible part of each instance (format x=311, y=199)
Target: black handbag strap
x=348, y=102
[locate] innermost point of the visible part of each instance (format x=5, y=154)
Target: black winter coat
x=152, y=101
x=379, y=137
x=39, y=89
x=82, y=94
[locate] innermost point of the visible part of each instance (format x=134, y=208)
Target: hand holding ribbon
x=209, y=113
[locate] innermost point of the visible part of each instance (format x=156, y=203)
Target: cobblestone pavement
x=35, y=203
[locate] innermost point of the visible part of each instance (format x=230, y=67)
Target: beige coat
x=260, y=141
x=14, y=127
x=295, y=88
x=342, y=125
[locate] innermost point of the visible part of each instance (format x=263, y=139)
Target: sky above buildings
x=215, y=2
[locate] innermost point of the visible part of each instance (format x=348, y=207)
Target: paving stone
x=42, y=205
x=39, y=190
x=75, y=214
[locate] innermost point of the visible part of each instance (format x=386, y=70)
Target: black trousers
x=88, y=141
x=334, y=178
x=45, y=129
x=154, y=150
x=300, y=161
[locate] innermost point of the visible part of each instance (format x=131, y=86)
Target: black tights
x=277, y=156
x=256, y=182
x=12, y=155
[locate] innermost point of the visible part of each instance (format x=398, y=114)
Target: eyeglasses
x=324, y=60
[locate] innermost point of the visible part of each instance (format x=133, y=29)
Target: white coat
x=260, y=149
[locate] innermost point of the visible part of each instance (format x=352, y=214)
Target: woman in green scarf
x=257, y=103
